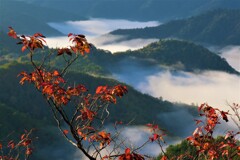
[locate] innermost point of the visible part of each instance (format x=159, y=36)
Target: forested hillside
x=218, y=27
x=135, y=105
x=179, y=55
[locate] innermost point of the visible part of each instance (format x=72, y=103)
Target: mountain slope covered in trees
x=134, y=105
x=179, y=55
x=24, y=106
x=218, y=27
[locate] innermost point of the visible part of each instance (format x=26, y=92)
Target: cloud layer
x=98, y=26
x=232, y=55
x=95, y=31
x=134, y=137
x=215, y=88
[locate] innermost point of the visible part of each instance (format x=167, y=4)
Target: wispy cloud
x=135, y=136
x=97, y=26
x=118, y=46
x=58, y=42
x=110, y=43
x=232, y=55
x=215, y=88
x=95, y=31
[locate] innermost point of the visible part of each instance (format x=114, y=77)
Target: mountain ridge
x=161, y=10
x=218, y=27
x=179, y=54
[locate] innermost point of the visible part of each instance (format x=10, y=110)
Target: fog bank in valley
x=98, y=26
x=134, y=137
x=232, y=55
x=96, y=32
x=212, y=87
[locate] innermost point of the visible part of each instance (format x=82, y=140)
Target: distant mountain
x=30, y=16
x=218, y=27
x=29, y=19
x=161, y=10
x=176, y=54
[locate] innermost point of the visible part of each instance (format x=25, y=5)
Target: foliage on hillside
x=186, y=148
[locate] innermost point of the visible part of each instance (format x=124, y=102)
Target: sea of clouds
x=96, y=32
x=218, y=89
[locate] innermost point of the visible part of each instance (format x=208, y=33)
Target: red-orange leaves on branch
x=238, y=149
x=119, y=90
x=224, y=115
x=157, y=133
x=51, y=84
x=164, y=158
x=154, y=137
x=80, y=116
x=102, y=137
x=130, y=156
x=25, y=77
x=87, y=114
x=65, y=131
x=198, y=121
x=39, y=35
x=80, y=43
x=101, y=89
x=109, y=94
x=11, y=144
x=12, y=33
x=31, y=42
x=29, y=151
x=202, y=138
x=127, y=155
x=12, y=150
x=64, y=50
x=153, y=127
x=76, y=91
x=26, y=142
